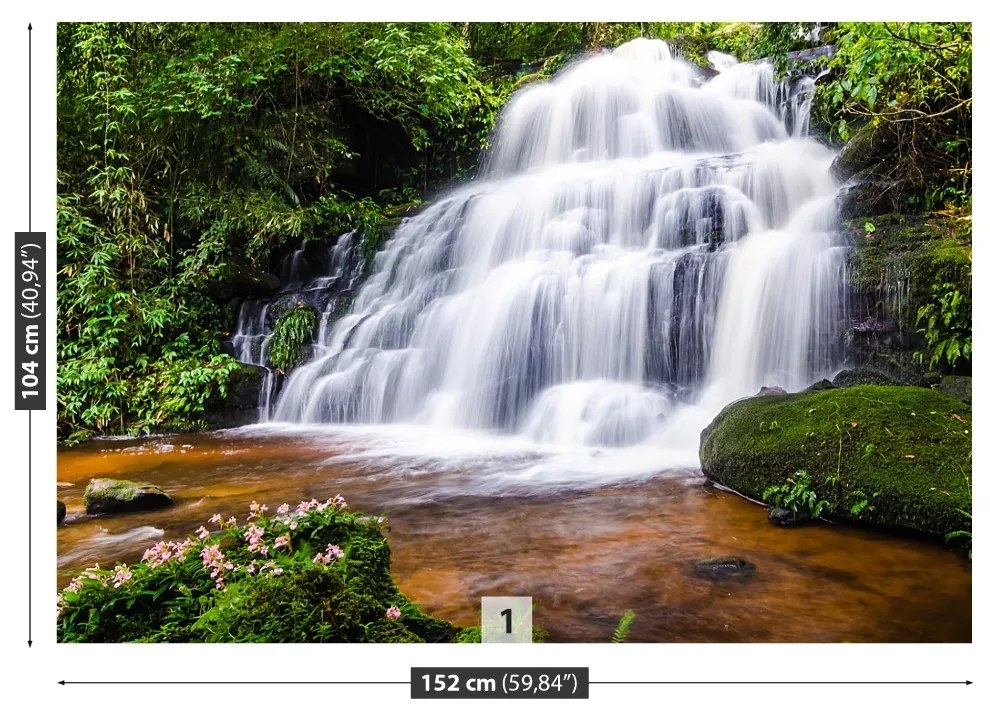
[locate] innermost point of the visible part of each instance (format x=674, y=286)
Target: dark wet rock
x=784, y=517
x=723, y=568
x=242, y=281
x=868, y=147
x=864, y=197
x=61, y=511
x=240, y=407
x=959, y=386
x=772, y=390
x=863, y=376
x=820, y=385
x=111, y=495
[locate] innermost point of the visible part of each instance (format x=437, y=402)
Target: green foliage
x=184, y=146
x=621, y=632
x=293, y=329
x=965, y=535
x=916, y=477
x=947, y=324
x=911, y=82
x=319, y=573
x=797, y=496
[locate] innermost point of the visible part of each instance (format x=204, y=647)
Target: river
x=473, y=515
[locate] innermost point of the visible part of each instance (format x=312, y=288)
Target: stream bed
x=587, y=536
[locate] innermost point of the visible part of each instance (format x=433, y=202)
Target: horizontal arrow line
x=780, y=682
x=592, y=682
x=233, y=682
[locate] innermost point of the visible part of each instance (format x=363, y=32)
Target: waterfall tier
x=642, y=246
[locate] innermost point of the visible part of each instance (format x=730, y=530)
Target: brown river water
x=587, y=545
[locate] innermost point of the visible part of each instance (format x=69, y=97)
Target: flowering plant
x=314, y=572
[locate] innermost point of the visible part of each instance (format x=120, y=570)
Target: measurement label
x=29, y=321
x=493, y=683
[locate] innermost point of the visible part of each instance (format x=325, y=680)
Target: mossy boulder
x=898, y=458
x=111, y=495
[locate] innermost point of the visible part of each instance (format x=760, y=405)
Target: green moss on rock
x=316, y=574
x=906, y=451
x=110, y=495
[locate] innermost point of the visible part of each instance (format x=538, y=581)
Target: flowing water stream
x=521, y=381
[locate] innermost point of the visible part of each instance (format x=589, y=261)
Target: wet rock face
x=784, y=517
x=61, y=511
x=723, y=568
x=110, y=495
x=240, y=406
x=958, y=386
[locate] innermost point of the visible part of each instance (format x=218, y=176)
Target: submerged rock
x=110, y=495
x=820, y=385
x=892, y=457
x=784, y=517
x=61, y=511
x=723, y=568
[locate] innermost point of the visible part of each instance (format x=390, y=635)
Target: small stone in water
x=724, y=568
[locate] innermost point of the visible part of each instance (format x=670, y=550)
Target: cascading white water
x=642, y=247
x=318, y=279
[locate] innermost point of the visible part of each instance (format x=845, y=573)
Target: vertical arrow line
x=29, y=125
x=30, y=534
x=30, y=443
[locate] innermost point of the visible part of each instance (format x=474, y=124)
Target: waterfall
x=642, y=245
x=314, y=274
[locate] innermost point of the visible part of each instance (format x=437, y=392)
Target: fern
x=622, y=629
x=292, y=331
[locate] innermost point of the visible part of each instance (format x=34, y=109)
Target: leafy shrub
x=292, y=331
x=797, y=496
x=315, y=573
x=947, y=324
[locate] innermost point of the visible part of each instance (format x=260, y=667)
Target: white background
x=30, y=676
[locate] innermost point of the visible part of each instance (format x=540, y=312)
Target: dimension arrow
x=30, y=483
x=233, y=682
x=780, y=682
x=592, y=682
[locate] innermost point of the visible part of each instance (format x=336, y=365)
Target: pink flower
x=334, y=551
x=393, y=613
x=202, y=533
x=338, y=501
x=121, y=575
x=217, y=520
x=181, y=549
x=329, y=555
x=158, y=554
x=256, y=510
x=282, y=509
x=282, y=541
